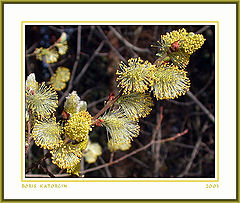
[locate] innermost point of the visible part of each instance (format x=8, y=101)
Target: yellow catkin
x=78, y=126
x=59, y=79
x=73, y=104
x=121, y=128
x=47, y=134
x=92, y=151
x=170, y=82
x=76, y=169
x=67, y=156
x=134, y=77
x=50, y=55
x=189, y=42
x=135, y=105
x=112, y=146
x=43, y=101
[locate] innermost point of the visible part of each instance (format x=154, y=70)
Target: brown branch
x=29, y=55
x=35, y=165
x=109, y=175
x=172, y=138
x=204, y=28
x=45, y=170
x=59, y=63
x=194, y=154
x=108, y=105
x=158, y=145
x=48, y=66
x=158, y=124
x=29, y=139
x=127, y=43
x=82, y=165
x=111, y=46
x=136, y=151
x=31, y=48
x=75, y=65
x=204, y=109
x=111, y=157
x=84, y=69
x=196, y=95
x=96, y=102
x=158, y=61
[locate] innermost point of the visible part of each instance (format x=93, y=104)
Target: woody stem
x=108, y=105
x=158, y=61
x=29, y=139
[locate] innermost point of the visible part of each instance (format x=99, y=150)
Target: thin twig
x=35, y=165
x=59, y=63
x=82, y=165
x=90, y=105
x=111, y=157
x=158, y=61
x=29, y=139
x=88, y=91
x=127, y=43
x=158, y=145
x=158, y=124
x=204, y=109
x=45, y=170
x=75, y=65
x=204, y=28
x=109, y=175
x=196, y=95
x=139, y=162
x=108, y=105
x=84, y=69
x=172, y=138
x=194, y=154
x=31, y=48
x=48, y=66
x=47, y=161
x=135, y=152
x=111, y=46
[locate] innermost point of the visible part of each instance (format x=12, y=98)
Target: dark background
x=192, y=155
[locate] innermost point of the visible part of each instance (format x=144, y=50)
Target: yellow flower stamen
x=78, y=126
x=136, y=77
x=169, y=82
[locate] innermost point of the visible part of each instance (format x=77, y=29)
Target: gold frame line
x=106, y=180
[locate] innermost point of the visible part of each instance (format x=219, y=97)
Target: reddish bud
x=32, y=92
x=111, y=96
x=99, y=122
x=65, y=115
x=175, y=46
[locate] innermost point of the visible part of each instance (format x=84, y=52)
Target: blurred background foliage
x=192, y=155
